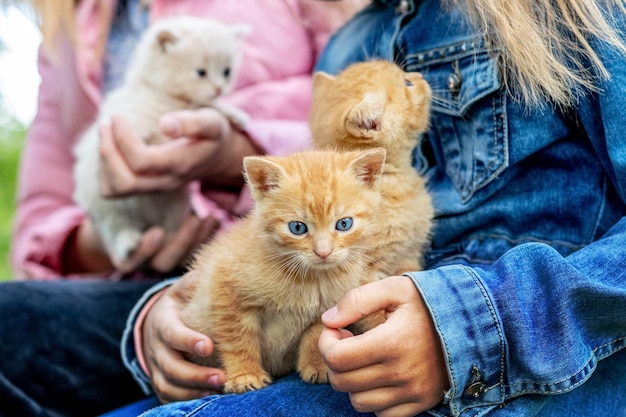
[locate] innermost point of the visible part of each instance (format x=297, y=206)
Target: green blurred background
x=12, y=133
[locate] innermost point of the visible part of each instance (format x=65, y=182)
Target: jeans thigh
x=60, y=347
x=286, y=397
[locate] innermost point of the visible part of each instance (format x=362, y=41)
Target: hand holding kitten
x=387, y=370
x=165, y=342
x=204, y=147
x=85, y=251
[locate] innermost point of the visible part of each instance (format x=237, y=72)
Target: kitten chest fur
x=279, y=308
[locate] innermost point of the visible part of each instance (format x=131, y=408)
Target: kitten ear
x=262, y=175
x=321, y=80
x=366, y=116
x=368, y=166
x=321, y=84
x=165, y=38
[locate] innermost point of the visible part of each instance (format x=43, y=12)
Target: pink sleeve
x=46, y=213
x=137, y=330
x=280, y=137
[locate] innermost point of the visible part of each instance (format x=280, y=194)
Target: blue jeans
x=60, y=347
x=290, y=396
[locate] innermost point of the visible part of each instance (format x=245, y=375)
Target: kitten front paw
x=125, y=244
x=314, y=373
x=239, y=118
x=235, y=115
x=310, y=364
x=246, y=382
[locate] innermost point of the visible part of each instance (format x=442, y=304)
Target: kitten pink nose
x=323, y=253
x=218, y=91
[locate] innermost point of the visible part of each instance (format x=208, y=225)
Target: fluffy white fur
x=180, y=63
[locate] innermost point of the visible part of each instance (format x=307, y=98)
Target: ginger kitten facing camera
x=264, y=284
x=180, y=63
x=376, y=104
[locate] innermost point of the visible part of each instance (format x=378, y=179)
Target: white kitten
x=180, y=63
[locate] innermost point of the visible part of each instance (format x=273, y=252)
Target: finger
x=206, y=123
x=377, y=400
x=123, y=170
x=184, y=287
x=143, y=159
x=149, y=244
x=329, y=338
x=130, y=145
x=388, y=402
x=361, y=379
x=177, y=370
x=367, y=299
x=177, y=248
x=406, y=409
x=179, y=337
x=157, y=166
x=169, y=391
x=350, y=353
x=115, y=178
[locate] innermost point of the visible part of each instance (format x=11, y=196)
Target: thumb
x=359, y=302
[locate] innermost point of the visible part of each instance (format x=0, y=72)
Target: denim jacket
x=526, y=277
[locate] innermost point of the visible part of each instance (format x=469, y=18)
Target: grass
x=12, y=135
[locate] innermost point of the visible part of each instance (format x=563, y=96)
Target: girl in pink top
x=273, y=86
x=64, y=336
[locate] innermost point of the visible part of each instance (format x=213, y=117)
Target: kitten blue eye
x=201, y=73
x=226, y=72
x=298, y=228
x=408, y=83
x=344, y=224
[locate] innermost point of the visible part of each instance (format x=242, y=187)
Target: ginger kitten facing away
x=376, y=104
x=180, y=63
x=264, y=284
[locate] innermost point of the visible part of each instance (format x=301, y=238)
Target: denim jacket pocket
x=468, y=121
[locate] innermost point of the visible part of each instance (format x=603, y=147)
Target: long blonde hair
x=545, y=44
x=57, y=19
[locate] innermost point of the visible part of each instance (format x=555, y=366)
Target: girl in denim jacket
x=521, y=310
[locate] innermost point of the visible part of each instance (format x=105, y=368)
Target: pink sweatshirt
x=273, y=86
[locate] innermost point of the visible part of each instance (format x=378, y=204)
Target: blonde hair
x=57, y=19
x=545, y=44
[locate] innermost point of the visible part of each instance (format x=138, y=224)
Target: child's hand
x=203, y=147
x=166, y=339
x=85, y=252
x=396, y=368
x=164, y=254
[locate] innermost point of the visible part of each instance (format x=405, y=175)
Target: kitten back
x=370, y=104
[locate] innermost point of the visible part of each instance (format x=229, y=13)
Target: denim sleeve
x=127, y=347
x=534, y=322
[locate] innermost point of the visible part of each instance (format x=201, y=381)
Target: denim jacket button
x=454, y=83
x=474, y=390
